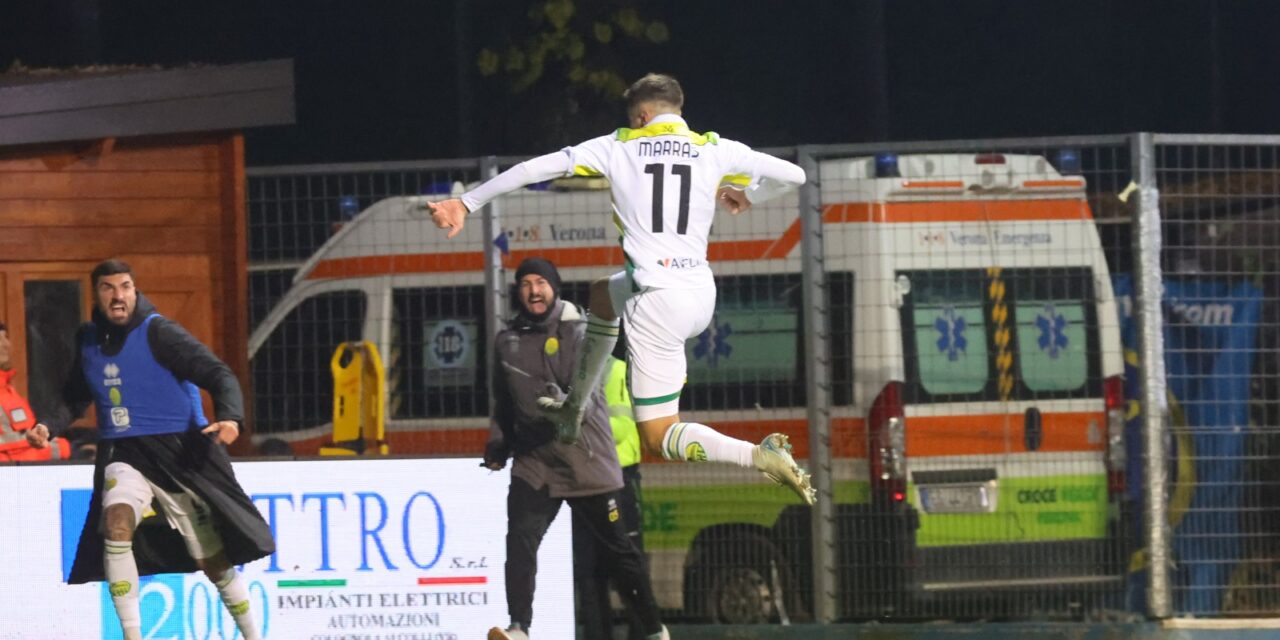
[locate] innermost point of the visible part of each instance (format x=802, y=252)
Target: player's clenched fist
x=733, y=200
x=449, y=214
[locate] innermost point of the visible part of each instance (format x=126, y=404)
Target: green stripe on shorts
x=657, y=400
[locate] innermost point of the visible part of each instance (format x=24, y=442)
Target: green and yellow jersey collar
x=668, y=124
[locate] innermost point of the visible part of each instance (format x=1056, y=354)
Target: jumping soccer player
x=665, y=182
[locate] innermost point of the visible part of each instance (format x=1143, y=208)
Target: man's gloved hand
x=566, y=420
x=553, y=391
x=495, y=456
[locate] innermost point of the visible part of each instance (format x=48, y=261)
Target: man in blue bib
x=140, y=370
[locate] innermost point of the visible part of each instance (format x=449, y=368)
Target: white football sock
x=693, y=442
x=121, y=572
x=235, y=595
x=601, y=336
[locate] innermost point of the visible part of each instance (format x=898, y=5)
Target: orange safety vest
x=15, y=418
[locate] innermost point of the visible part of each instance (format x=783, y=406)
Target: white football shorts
x=658, y=322
x=184, y=510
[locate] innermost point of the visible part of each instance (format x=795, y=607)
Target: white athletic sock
x=121, y=572
x=693, y=442
x=601, y=336
x=235, y=595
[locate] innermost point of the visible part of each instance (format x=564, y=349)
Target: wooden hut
x=142, y=164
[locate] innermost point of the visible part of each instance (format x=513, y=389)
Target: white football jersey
x=664, y=179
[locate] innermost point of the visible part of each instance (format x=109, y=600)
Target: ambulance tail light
x=887, y=446
x=1113, y=390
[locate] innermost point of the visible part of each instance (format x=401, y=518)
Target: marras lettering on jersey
x=648, y=149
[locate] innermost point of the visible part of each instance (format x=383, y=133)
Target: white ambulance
x=975, y=360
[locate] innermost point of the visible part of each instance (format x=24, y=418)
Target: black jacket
x=536, y=358
x=171, y=345
x=184, y=461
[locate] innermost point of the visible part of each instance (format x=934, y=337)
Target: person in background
x=21, y=438
x=590, y=573
x=139, y=370
x=535, y=355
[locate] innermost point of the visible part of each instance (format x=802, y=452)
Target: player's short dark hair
x=3, y=327
x=654, y=87
x=109, y=268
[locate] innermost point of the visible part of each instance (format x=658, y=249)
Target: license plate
x=957, y=499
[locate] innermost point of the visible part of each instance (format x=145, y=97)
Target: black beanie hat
x=542, y=267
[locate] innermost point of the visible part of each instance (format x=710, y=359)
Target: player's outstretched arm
x=449, y=214
x=774, y=177
x=452, y=214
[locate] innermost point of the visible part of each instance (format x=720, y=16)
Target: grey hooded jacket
x=533, y=359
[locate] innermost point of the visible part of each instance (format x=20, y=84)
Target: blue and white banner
x=1210, y=332
x=366, y=550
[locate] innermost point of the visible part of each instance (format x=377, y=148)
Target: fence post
x=495, y=292
x=817, y=368
x=1155, y=408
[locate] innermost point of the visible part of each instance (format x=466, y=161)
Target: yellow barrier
x=359, y=401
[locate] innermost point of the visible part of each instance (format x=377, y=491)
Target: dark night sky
x=376, y=79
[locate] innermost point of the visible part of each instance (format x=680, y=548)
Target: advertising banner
x=1209, y=333
x=366, y=550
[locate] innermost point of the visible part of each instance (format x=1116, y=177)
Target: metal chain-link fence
x=1220, y=206
x=950, y=333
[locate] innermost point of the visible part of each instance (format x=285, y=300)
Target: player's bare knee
x=215, y=566
x=653, y=446
x=653, y=432
x=119, y=523
x=600, y=304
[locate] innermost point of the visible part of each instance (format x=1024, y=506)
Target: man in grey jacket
x=534, y=356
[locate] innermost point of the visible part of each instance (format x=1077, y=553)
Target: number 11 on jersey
x=685, y=173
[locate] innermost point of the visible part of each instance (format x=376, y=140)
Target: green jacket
x=621, y=419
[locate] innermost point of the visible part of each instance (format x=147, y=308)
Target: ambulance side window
x=1054, y=311
x=945, y=336
x=436, y=368
x=751, y=355
x=292, y=383
x=952, y=318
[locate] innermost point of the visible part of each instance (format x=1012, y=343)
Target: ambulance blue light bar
x=1067, y=161
x=887, y=165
